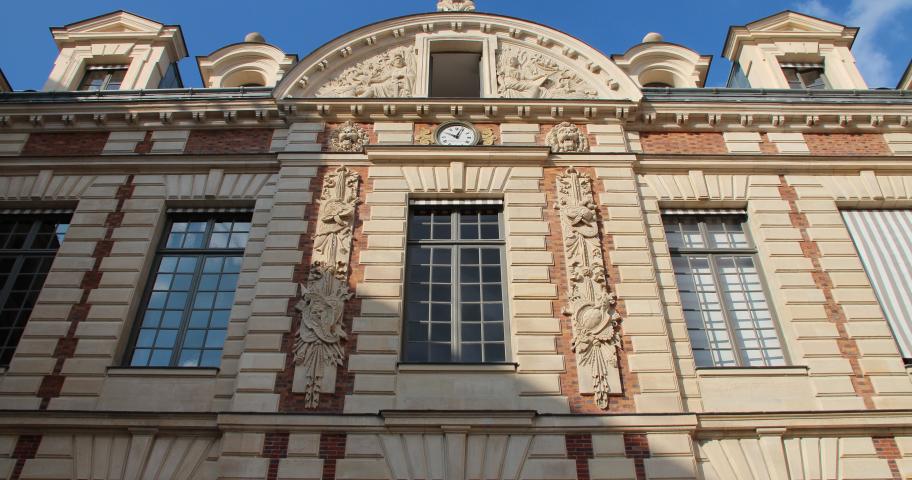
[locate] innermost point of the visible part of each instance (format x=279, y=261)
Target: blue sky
x=301, y=26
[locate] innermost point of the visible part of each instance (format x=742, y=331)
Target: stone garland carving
x=349, y=137
x=523, y=73
x=567, y=138
x=455, y=6
x=318, y=350
x=591, y=308
x=388, y=75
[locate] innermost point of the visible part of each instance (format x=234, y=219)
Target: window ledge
x=790, y=371
x=162, y=372
x=457, y=367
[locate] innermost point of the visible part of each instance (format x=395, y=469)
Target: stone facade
x=601, y=379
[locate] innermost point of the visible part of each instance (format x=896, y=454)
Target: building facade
x=455, y=245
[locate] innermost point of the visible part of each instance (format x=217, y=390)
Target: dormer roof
x=121, y=25
x=787, y=25
x=905, y=83
x=4, y=83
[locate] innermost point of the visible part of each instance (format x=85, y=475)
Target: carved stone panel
x=567, y=138
x=595, y=322
x=349, y=137
x=319, y=349
x=388, y=75
x=524, y=73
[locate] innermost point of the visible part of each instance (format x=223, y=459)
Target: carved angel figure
x=388, y=75
x=349, y=137
x=455, y=6
x=523, y=73
x=567, y=137
x=320, y=337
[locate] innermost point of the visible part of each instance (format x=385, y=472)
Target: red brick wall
x=275, y=447
x=579, y=448
x=835, y=314
x=332, y=449
x=867, y=144
x=65, y=144
x=636, y=446
x=51, y=385
x=766, y=146
x=888, y=450
x=680, y=142
x=238, y=140
x=26, y=448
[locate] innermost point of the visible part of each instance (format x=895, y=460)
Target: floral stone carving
x=595, y=322
x=523, y=73
x=318, y=350
x=455, y=6
x=349, y=137
x=388, y=75
x=567, y=138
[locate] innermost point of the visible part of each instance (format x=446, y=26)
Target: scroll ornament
x=567, y=138
x=523, y=73
x=349, y=137
x=318, y=350
x=595, y=322
x=388, y=75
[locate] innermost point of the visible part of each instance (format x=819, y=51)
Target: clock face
x=457, y=135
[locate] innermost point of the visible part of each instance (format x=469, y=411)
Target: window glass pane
x=27, y=248
x=684, y=232
x=454, y=294
x=185, y=321
x=750, y=315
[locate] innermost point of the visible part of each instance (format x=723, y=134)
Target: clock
x=456, y=134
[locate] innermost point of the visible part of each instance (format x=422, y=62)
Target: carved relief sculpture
x=488, y=137
x=455, y=6
x=523, y=73
x=388, y=75
x=591, y=307
x=349, y=137
x=567, y=138
x=318, y=348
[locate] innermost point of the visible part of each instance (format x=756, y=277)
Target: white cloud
x=873, y=17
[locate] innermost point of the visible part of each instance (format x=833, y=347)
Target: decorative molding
x=318, y=348
x=349, y=137
x=390, y=74
x=456, y=6
x=594, y=320
x=567, y=138
x=425, y=137
x=523, y=73
x=488, y=136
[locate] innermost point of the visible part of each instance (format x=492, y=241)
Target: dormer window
x=805, y=76
x=103, y=77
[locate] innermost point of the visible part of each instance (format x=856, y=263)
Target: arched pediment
x=519, y=59
x=244, y=63
x=663, y=62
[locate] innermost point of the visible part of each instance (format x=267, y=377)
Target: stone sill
x=162, y=372
x=457, y=367
x=790, y=371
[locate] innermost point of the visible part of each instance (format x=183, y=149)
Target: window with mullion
x=184, y=321
x=455, y=304
x=103, y=78
x=27, y=248
x=722, y=294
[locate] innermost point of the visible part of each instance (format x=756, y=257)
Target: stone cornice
x=432, y=153
x=746, y=164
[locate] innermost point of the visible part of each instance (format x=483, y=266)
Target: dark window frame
x=456, y=245
x=799, y=82
x=711, y=253
x=26, y=251
x=110, y=73
x=162, y=251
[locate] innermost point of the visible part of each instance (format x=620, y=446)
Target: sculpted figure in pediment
x=523, y=73
x=388, y=75
x=455, y=6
